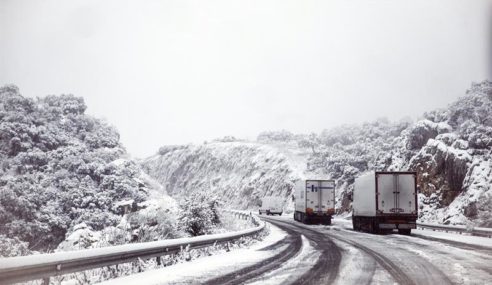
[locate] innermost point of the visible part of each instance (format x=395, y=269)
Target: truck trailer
x=384, y=201
x=271, y=206
x=314, y=201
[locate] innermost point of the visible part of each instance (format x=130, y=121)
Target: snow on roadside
x=292, y=269
x=202, y=269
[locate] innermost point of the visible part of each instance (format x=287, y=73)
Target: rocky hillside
x=450, y=148
x=61, y=169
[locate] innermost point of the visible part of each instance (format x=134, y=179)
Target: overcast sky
x=174, y=72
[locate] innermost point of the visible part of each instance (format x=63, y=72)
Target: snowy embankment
x=79, y=261
x=202, y=269
x=240, y=172
x=120, y=250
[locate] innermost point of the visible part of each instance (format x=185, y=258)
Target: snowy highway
x=294, y=253
x=361, y=258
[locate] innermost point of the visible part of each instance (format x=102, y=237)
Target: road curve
x=293, y=242
x=403, y=259
x=343, y=256
x=325, y=270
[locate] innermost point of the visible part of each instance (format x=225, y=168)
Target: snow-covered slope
x=450, y=148
x=239, y=172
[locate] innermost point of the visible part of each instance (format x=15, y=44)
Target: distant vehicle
x=271, y=206
x=315, y=201
x=385, y=201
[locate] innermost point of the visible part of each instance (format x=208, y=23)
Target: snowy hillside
x=61, y=172
x=238, y=172
x=449, y=148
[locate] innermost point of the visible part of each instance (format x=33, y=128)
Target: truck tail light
x=309, y=211
x=330, y=211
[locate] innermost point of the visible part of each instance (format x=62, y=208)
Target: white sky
x=172, y=72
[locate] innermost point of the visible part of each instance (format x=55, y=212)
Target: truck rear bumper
x=407, y=226
x=397, y=226
x=312, y=218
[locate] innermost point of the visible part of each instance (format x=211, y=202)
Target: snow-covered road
x=295, y=253
x=421, y=258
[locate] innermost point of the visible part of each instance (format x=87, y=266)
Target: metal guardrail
x=44, y=266
x=485, y=232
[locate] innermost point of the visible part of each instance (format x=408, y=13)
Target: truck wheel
x=374, y=227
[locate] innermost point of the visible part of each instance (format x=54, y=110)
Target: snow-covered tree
x=57, y=170
x=199, y=213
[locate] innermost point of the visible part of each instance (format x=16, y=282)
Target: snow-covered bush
x=199, y=213
x=10, y=247
x=153, y=224
x=57, y=169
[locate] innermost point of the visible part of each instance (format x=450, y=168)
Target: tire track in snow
x=294, y=245
x=403, y=264
x=472, y=260
x=386, y=263
x=325, y=270
x=286, y=274
x=393, y=269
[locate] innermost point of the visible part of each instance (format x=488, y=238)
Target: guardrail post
x=45, y=281
x=158, y=260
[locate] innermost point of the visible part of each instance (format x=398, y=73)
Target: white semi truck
x=271, y=206
x=314, y=201
x=385, y=201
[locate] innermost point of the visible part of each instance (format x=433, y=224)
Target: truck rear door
x=320, y=195
x=313, y=195
x=396, y=193
x=407, y=193
x=327, y=196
